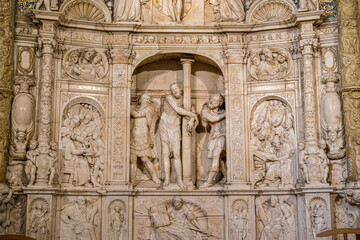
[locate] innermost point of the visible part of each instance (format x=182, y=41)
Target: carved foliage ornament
x=269, y=64
x=85, y=64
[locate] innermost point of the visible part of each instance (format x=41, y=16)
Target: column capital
x=187, y=61
x=309, y=45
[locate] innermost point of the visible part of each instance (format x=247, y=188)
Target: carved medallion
x=269, y=64
x=86, y=64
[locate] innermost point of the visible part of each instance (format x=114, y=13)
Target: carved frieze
x=86, y=64
x=269, y=64
x=177, y=39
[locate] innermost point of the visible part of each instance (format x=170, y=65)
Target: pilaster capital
x=46, y=45
x=309, y=45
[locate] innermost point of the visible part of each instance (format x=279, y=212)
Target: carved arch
x=85, y=10
x=271, y=11
x=156, y=56
x=261, y=100
x=87, y=100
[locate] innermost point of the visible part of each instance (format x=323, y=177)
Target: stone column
x=186, y=138
x=309, y=93
x=350, y=79
x=7, y=13
x=313, y=153
x=46, y=47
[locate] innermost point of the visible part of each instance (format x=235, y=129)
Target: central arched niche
x=155, y=75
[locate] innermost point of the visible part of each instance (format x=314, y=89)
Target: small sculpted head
x=175, y=90
x=177, y=203
x=215, y=101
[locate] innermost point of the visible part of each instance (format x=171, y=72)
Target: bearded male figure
x=213, y=116
x=170, y=131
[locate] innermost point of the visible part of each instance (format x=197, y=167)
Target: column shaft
x=186, y=138
x=7, y=11
x=350, y=79
x=309, y=93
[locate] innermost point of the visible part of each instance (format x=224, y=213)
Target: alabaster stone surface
x=180, y=119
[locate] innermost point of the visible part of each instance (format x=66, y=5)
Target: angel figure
x=142, y=137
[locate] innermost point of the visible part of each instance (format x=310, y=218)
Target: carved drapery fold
x=7, y=13
x=350, y=74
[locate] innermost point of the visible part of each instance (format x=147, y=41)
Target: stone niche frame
x=288, y=99
x=198, y=57
x=76, y=99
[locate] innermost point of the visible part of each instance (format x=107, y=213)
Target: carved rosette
x=349, y=54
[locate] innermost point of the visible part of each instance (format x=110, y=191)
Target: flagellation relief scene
x=179, y=119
